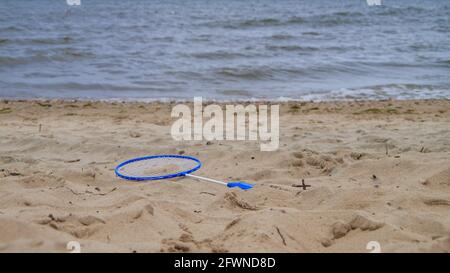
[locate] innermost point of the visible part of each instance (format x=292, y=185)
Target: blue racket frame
x=145, y=178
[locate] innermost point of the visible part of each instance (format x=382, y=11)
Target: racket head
x=134, y=169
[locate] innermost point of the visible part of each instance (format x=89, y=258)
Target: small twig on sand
x=74, y=192
x=102, y=194
x=13, y=173
x=303, y=185
x=205, y=192
x=281, y=235
x=100, y=163
x=72, y=160
x=89, y=192
x=279, y=188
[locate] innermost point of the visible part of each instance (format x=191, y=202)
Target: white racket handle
x=206, y=179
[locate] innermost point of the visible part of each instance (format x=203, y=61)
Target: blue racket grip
x=239, y=184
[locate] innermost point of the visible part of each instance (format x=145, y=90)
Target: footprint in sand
x=340, y=229
x=235, y=201
x=80, y=227
x=440, y=180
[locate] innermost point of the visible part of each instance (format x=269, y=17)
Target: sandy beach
x=377, y=170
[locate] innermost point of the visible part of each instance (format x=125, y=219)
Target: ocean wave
x=256, y=23
x=168, y=39
x=233, y=93
x=333, y=21
x=327, y=19
x=394, y=11
x=315, y=71
x=405, y=86
x=379, y=92
x=397, y=91
x=444, y=62
x=93, y=87
x=248, y=73
x=344, y=94
x=218, y=55
x=311, y=33
x=441, y=28
x=397, y=64
x=60, y=55
x=296, y=48
x=11, y=29
x=416, y=46
x=48, y=75
x=296, y=20
x=346, y=13
x=8, y=61
x=50, y=41
x=260, y=72
x=41, y=41
x=277, y=37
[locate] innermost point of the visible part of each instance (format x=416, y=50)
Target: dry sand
x=379, y=171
